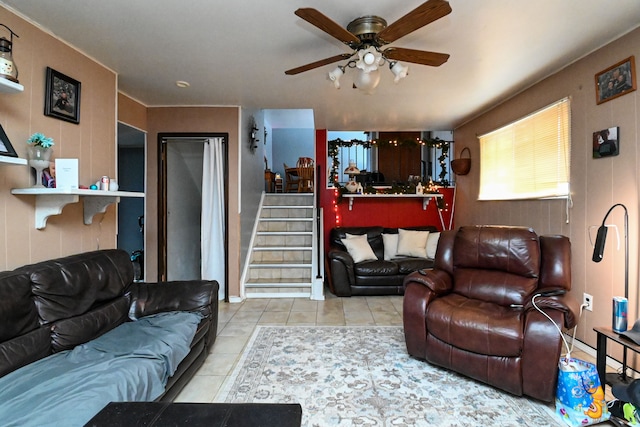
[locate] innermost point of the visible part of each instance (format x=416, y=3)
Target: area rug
x=363, y=376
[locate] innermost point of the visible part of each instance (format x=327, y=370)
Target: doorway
x=180, y=204
x=131, y=177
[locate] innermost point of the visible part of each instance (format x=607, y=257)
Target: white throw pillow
x=432, y=245
x=359, y=248
x=390, y=242
x=412, y=243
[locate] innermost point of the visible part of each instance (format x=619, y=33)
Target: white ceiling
x=236, y=52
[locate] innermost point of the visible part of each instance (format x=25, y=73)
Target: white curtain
x=213, y=249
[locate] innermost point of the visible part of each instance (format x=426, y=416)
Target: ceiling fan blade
x=330, y=27
x=317, y=64
x=422, y=57
x=424, y=14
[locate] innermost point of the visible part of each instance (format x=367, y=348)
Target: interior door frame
x=162, y=199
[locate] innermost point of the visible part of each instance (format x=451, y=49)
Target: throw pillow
x=390, y=242
x=412, y=243
x=359, y=248
x=432, y=245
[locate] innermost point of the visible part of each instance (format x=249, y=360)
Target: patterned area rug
x=363, y=376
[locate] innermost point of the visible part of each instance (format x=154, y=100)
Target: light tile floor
x=236, y=323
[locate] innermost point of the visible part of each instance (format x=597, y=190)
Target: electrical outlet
x=587, y=301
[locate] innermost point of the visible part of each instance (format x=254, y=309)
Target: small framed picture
x=606, y=142
x=617, y=80
x=62, y=97
x=6, y=149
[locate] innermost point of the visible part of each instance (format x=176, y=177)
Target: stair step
x=277, y=283
x=287, y=206
x=284, y=233
x=269, y=219
x=287, y=264
x=282, y=248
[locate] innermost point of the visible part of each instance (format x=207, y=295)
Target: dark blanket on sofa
x=130, y=363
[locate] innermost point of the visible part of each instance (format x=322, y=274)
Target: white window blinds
x=529, y=158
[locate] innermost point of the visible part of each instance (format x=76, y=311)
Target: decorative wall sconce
x=253, y=135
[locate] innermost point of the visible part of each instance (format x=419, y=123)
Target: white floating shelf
x=7, y=86
x=6, y=160
x=426, y=198
x=51, y=201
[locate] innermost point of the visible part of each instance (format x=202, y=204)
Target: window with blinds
x=529, y=158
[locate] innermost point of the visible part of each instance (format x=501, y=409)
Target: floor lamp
x=598, y=253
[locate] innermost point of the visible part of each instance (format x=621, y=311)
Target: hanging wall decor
x=6, y=149
x=62, y=97
x=615, y=81
x=253, y=135
x=606, y=142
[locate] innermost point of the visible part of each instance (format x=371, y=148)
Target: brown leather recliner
x=473, y=313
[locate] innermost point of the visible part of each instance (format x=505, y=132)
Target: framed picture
x=617, y=80
x=62, y=97
x=6, y=149
x=606, y=142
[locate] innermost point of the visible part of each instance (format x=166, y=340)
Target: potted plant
x=39, y=153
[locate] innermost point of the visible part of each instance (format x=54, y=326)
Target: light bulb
x=369, y=58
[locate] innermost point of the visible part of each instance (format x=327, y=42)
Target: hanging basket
x=463, y=165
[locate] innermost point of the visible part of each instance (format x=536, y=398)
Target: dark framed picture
x=606, y=142
x=6, y=149
x=617, y=80
x=62, y=97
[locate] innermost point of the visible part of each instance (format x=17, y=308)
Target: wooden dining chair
x=305, y=175
x=291, y=176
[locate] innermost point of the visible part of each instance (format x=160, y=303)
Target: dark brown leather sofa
x=375, y=277
x=473, y=313
x=58, y=304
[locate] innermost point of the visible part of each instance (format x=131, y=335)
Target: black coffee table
x=164, y=414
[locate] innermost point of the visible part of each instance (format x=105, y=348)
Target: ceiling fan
x=367, y=35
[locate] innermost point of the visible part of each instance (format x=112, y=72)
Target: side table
x=269, y=180
x=604, y=334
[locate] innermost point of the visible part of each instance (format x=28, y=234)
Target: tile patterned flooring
x=236, y=323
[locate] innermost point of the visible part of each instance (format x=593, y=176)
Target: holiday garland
x=335, y=145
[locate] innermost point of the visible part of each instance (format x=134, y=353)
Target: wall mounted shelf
x=426, y=198
x=7, y=86
x=6, y=160
x=51, y=201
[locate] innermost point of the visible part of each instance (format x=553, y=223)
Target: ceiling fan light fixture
x=366, y=37
x=369, y=59
x=399, y=70
x=335, y=75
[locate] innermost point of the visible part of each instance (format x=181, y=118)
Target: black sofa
x=372, y=277
x=62, y=303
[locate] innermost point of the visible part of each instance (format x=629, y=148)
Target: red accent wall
x=386, y=212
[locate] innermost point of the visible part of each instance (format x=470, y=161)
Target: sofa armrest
x=342, y=256
x=438, y=281
x=565, y=303
x=190, y=295
x=341, y=271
